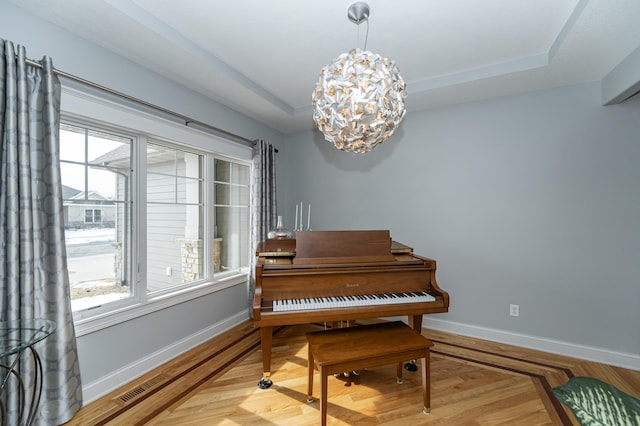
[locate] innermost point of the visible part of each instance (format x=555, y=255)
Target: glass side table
x=16, y=339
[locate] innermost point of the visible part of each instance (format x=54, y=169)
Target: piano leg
x=266, y=334
x=415, y=322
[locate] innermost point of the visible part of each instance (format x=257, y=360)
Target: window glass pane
x=174, y=218
x=97, y=215
x=222, y=171
x=231, y=248
x=241, y=175
x=161, y=188
x=239, y=195
x=189, y=191
x=101, y=183
x=74, y=147
x=233, y=238
x=193, y=164
x=162, y=159
x=222, y=191
x=173, y=258
x=73, y=180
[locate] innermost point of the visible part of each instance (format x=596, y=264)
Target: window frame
x=82, y=109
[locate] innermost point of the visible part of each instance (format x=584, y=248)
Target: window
x=153, y=215
x=92, y=216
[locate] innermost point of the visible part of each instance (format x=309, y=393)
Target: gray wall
x=105, y=352
x=109, y=350
x=532, y=200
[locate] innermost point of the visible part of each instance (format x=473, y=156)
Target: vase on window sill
x=280, y=231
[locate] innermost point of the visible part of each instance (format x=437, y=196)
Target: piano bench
x=366, y=346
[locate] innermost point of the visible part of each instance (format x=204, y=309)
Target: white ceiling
x=262, y=57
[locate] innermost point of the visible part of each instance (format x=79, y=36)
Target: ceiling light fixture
x=358, y=101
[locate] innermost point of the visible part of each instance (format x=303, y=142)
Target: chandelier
x=358, y=101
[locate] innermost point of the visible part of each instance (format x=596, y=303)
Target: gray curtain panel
x=34, y=282
x=263, y=201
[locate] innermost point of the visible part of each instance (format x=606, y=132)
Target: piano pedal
x=346, y=374
x=411, y=365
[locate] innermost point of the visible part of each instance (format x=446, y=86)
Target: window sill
x=90, y=325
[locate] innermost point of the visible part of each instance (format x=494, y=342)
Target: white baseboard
x=97, y=388
x=625, y=360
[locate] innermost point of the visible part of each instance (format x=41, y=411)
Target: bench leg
x=323, y=396
x=310, y=378
x=426, y=383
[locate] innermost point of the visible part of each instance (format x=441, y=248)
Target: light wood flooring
x=473, y=382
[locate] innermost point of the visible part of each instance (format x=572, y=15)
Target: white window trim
x=129, y=312
x=82, y=106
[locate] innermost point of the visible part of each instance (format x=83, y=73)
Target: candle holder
x=299, y=226
x=280, y=231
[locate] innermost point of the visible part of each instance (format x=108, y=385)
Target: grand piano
x=331, y=276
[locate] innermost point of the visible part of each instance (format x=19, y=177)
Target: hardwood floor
x=473, y=382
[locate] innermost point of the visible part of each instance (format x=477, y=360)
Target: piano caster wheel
x=411, y=366
x=265, y=384
x=310, y=400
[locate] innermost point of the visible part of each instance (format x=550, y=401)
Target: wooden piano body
x=322, y=266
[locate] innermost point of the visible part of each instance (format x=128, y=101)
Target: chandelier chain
x=366, y=37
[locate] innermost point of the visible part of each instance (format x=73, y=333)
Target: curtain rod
x=185, y=119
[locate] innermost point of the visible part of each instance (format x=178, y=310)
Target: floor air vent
x=132, y=394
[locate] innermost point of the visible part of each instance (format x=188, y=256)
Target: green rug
x=596, y=403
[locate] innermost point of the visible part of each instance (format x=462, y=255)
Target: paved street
x=90, y=268
x=89, y=249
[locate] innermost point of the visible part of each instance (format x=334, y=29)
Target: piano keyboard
x=350, y=301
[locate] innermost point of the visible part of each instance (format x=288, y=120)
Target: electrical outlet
x=514, y=310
